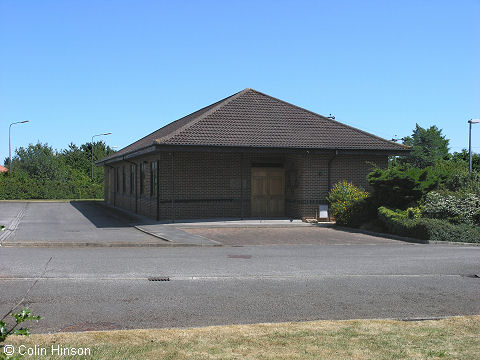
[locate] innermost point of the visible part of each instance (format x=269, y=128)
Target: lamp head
x=474, y=121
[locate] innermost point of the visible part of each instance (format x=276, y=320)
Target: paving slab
x=309, y=235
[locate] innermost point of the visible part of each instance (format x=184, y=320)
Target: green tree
x=39, y=172
x=462, y=157
x=80, y=158
x=41, y=162
x=428, y=146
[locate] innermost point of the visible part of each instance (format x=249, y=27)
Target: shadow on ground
x=103, y=216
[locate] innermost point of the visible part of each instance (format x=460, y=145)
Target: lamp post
x=470, y=122
x=92, y=147
x=9, y=144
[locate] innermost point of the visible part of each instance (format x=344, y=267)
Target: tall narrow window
x=124, y=183
x=142, y=178
x=154, y=178
x=133, y=171
x=117, y=179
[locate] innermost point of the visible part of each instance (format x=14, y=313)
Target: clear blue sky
x=78, y=68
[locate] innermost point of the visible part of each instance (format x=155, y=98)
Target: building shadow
x=102, y=216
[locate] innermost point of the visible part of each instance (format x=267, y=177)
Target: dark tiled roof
x=252, y=119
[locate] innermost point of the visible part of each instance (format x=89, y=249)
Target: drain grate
x=473, y=276
x=239, y=256
x=158, y=278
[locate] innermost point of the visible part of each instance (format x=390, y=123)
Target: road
x=108, y=288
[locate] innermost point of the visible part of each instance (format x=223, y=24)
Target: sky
x=76, y=68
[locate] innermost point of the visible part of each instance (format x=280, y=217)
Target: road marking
x=230, y=277
x=10, y=229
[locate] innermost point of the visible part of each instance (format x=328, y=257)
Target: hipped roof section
x=252, y=119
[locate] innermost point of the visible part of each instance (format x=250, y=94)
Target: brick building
x=248, y=155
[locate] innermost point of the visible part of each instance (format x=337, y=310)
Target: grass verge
x=452, y=338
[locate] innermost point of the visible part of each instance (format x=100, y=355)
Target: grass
x=453, y=338
x=48, y=200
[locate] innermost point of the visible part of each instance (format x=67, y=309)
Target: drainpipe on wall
x=136, y=192
x=329, y=169
x=173, y=188
x=241, y=186
x=158, y=190
x=114, y=187
x=308, y=161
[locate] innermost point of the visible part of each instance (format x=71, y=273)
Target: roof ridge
x=331, y=120
x=219, y=105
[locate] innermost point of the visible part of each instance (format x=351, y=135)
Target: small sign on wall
x=323, y=211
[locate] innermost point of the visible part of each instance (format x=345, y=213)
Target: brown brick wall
x=209, y=184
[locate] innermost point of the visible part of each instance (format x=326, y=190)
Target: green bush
x=397, y=222
x=455, y=207
x=7, y=330
x=20, y=185
x=414, y=213
x=401, y=186
x=39, y=172
x=440, y=230
x=462, y=180
x=346, y=203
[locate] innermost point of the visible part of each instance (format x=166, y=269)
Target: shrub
x=398, y=223
x=20, y=185
x=462, y=180
x=401, y=186
x=440, y=230
x=414, y=213
x=6, y=330
x=346, y=201
x=454, y=207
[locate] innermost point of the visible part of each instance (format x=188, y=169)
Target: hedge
x=398, y=223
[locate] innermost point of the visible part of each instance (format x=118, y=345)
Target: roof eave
x=168, y=147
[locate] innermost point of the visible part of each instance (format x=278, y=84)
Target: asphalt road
x=106, y=288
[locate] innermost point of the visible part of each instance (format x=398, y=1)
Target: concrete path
x=176, y=235
x=237, y=222
x=84, y=223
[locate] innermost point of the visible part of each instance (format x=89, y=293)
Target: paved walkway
x=176, y=235
x=85, y=223
x=90, y=223
x=310, y=235
x=237, y=222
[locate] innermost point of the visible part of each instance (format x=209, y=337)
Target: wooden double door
x=268, y=192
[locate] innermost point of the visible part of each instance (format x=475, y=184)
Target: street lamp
x=9, y=144
x=92, y=147
x=470, y=122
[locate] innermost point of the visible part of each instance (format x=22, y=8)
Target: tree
x=462, y=156
x=41, y=162
x=39, y=172
x=428, y=146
